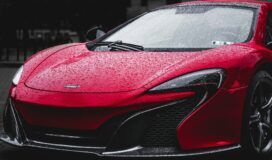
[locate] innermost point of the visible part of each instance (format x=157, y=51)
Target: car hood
x=76, y=69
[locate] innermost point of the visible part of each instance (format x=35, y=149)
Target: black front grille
x=155, y=128
x=162, y=130
x=96, y=138
x=64, y=136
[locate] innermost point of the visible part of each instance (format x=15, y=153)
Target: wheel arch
x=265, y=66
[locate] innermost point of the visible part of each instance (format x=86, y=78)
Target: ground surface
x=10, y=153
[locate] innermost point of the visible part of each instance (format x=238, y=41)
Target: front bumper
x=119, y=144
x=131, y=152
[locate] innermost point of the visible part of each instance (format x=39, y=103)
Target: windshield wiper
x=117, y=45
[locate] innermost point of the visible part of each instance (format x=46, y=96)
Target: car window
x=268, y=40
x=189, y=27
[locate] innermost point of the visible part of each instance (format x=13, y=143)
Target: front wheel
x=257, y=128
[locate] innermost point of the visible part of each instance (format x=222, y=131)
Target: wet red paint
x=112, y=83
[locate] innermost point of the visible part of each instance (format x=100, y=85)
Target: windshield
x=188, y=27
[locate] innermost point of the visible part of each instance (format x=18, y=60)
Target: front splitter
x=136, y=151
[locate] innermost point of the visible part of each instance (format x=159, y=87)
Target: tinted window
x=269, y=30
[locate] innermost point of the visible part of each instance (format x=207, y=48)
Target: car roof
x=242, y=2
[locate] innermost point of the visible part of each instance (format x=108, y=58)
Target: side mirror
x=95, y=33
x=269, y=45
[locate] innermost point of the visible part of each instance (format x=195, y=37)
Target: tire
x=257, y=119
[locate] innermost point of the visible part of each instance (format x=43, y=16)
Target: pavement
x=11, y=153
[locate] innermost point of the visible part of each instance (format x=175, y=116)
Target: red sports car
x=186, y=79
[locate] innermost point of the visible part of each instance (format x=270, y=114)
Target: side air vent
x=162, y=129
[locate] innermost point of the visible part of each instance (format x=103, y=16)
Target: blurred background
x=28, y=26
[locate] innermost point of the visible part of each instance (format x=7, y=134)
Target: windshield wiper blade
x=116, y=45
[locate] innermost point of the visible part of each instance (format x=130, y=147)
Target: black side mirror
x=95, y=33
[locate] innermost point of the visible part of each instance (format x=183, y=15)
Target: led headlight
x=205, y=81
x=17, y=76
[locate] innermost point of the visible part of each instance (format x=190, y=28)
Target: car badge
x=72, y=86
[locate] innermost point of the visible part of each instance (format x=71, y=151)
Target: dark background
x=27, y=26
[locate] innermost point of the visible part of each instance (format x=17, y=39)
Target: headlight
x=17, y=76
x=205, y=82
